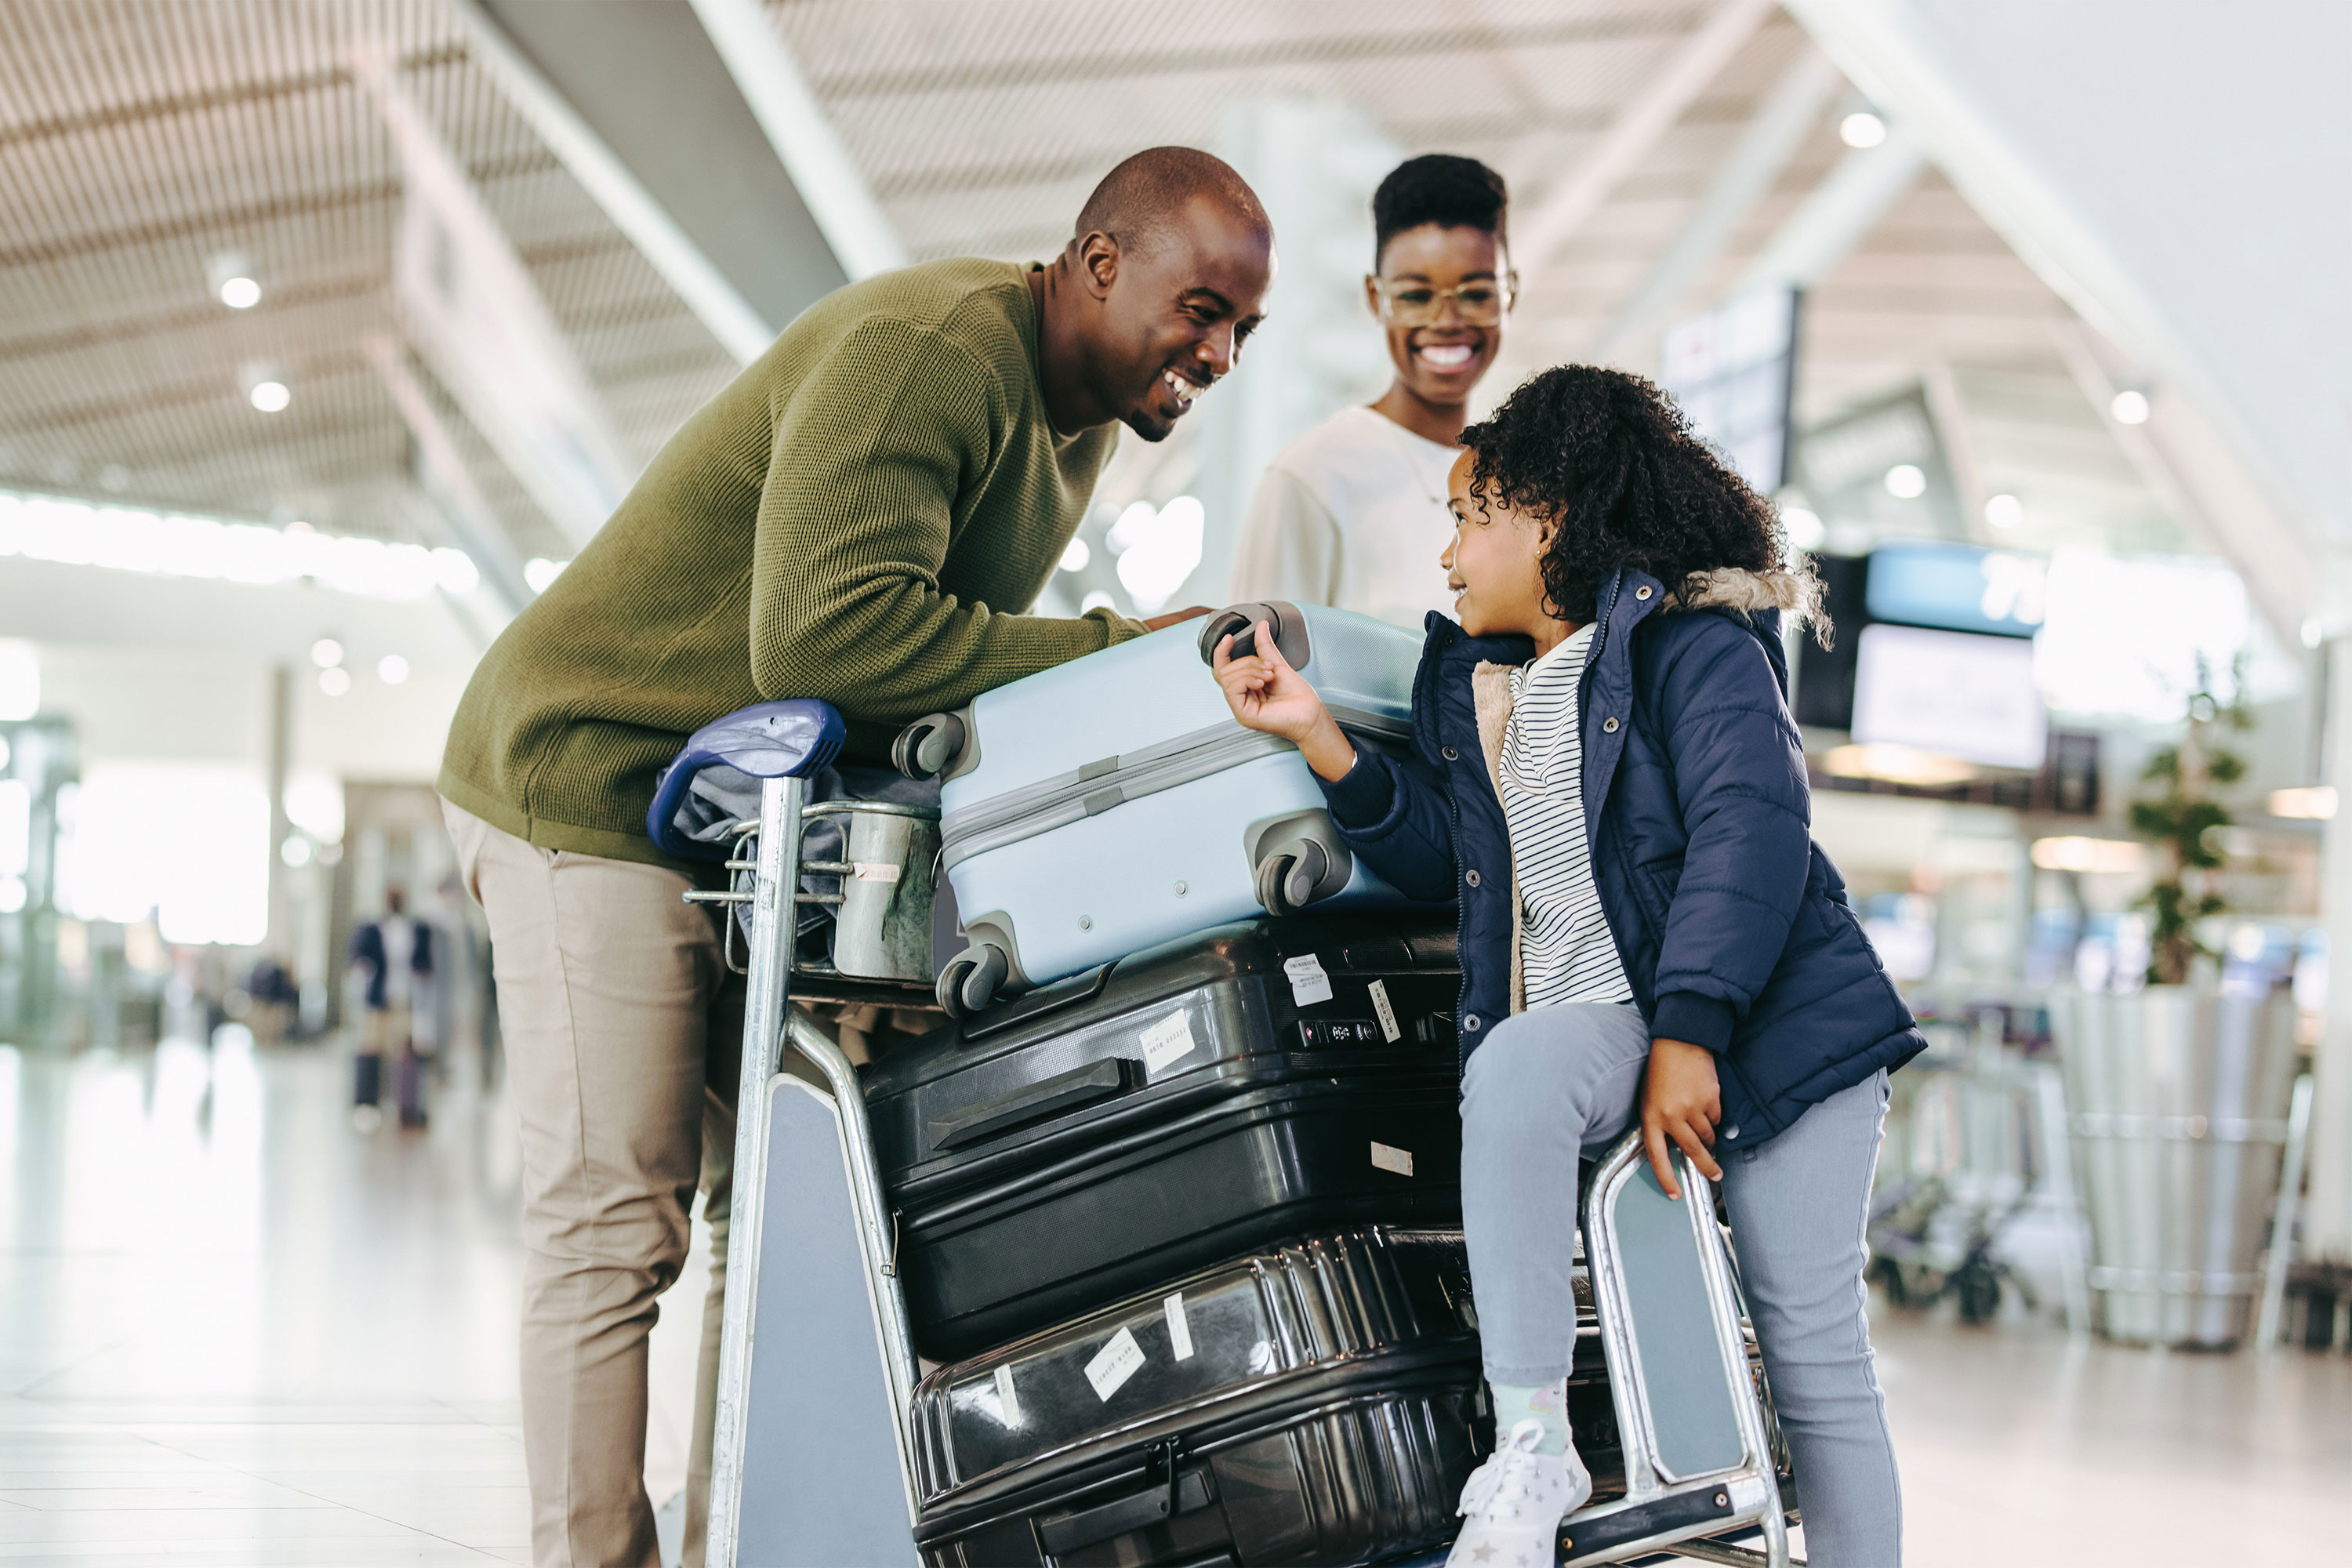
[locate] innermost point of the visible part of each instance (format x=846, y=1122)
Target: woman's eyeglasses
x=1483, y=303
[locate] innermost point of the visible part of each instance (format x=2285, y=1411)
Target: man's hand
x=1176, y=618
x=1681, y=1100
x=1265, y=694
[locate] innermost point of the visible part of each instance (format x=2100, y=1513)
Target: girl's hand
x=1681, y=1100
x=1267, y=695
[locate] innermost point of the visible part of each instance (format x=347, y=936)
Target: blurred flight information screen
x=1957, y=694
x=1733, y=371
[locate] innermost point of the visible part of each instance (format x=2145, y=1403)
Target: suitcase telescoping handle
x=1290, y=628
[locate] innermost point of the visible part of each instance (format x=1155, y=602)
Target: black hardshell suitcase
x=1177, y=1108
x=1315, y=1404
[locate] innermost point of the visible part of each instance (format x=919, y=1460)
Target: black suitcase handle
x=1290, y=628
x=1048, y=1097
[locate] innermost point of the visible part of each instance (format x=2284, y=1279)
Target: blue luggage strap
x=714, y=782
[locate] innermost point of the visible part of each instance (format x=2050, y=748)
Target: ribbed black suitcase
x=1177, y=1108
x=1314, y=1404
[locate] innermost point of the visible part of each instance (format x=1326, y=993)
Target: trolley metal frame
x=773, y=1110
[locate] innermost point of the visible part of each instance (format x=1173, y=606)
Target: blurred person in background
x=1353, y=513
x=861, y=516
x=270, y=999
x=396, y=954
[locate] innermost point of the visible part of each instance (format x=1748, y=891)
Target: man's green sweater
x=843, y=521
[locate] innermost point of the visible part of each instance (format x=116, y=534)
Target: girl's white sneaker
x=1514, y=1503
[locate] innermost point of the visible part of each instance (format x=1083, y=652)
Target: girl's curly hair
x=1632, y=484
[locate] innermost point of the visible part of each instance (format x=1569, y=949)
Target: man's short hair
x=1439, y=188
x=1139, y=202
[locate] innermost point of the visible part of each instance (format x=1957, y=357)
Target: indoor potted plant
x=2177, y=1094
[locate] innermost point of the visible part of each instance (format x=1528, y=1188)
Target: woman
x=1353, y=513
x=1605, y=773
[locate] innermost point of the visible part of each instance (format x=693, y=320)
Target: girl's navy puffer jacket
x=1733, y=926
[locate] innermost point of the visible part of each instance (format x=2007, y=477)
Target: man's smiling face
x=1177, y=314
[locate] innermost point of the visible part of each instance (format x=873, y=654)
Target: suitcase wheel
x=1289, y=875
x=928, y=747
x=969, y=982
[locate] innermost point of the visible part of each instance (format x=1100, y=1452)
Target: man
x=851, y=519
x=397, y=955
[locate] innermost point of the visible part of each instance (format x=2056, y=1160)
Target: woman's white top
x=1353, y=514
x=1566, y=953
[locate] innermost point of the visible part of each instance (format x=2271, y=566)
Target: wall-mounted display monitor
x=1733, y=371
x=1960, y=587
x=1957, y=694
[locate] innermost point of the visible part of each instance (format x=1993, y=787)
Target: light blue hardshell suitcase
x=1113, y=802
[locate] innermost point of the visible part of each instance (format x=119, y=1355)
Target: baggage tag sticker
x=1397, y=1160
x=1179, y=1326
x=1308, y=984
x=1167, y=1042
x=1389, y=1030
x=1007, y=1399
x=1114, y=1364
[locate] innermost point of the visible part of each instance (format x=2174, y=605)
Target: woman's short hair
x=1617, y=463
x=1439, y=188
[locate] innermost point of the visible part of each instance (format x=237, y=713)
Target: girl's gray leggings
x=1553, y=1082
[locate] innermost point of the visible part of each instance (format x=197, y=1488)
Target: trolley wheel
x=969, y=982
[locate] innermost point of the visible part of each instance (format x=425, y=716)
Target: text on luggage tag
x=1179, y=1326
x=1388, y=1015
x=1397, y=1160
x=1308, y=984
x=1169, y=1040
x=1113, y=1365
x=1008, y=1401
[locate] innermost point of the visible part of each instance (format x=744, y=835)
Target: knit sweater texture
x=854, y=518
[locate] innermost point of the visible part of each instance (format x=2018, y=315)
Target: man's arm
x=862, y=484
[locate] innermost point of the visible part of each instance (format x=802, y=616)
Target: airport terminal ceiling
x=138, y=144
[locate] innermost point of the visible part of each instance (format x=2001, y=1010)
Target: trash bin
x=2178, y=1106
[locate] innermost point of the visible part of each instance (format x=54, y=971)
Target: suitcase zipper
x=1099, y=786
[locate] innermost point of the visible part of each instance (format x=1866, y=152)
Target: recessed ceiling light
x=392, y=669
x=1805, y=530
x=335, y=682
x=326, y=653
x=2130, y=406
x=270, y=397
x=540, y=571
x=1075, y=557
x=234, y=280
x=1862, y=129
x=1907, y=482
x=2004, y=511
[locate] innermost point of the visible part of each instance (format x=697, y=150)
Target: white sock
x=1547, y=1405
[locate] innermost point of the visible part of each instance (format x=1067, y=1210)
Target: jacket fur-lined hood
x=1796, y=595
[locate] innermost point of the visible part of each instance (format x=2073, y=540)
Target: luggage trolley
x=813, y=1462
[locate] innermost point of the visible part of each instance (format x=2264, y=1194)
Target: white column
x=2328, y=1223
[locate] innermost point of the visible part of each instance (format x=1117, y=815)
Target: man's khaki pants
x=624, y=1035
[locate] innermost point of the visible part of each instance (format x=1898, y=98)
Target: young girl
x=1353, y=513
x=1604, y=773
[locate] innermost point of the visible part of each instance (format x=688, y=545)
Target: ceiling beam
x=714, y=297
x=1770, y=137
x=445, y=485
x=1832, y=220
x=827, y=177
x=470, y=305
x=1647, y=116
